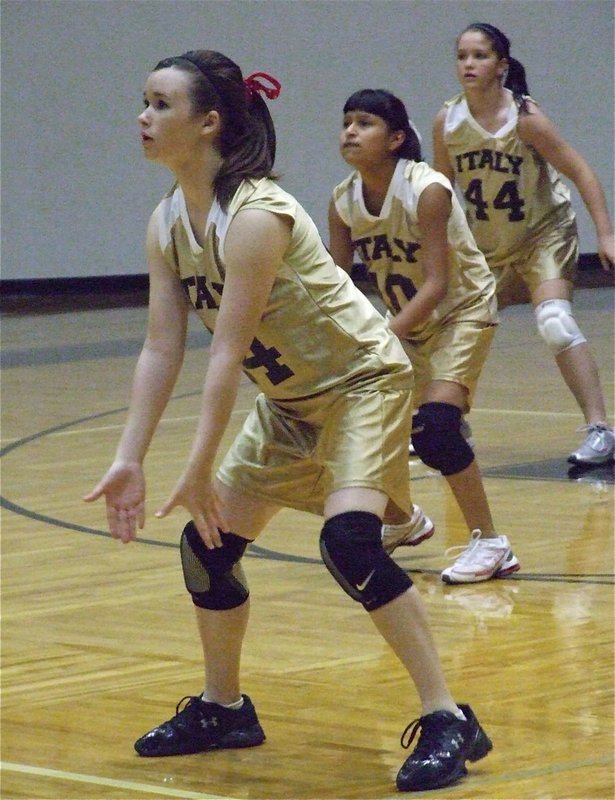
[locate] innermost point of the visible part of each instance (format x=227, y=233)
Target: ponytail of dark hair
x=390, y=108
x=249, y=155
x=515, y=77
x=516, y=82
x=247, y=139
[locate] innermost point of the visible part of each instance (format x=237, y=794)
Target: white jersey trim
x=459, y=112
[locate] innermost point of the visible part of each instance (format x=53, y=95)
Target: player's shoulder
x=345, y=188
x=532, y=121
x=440, y=115
x=169, y=205
x=422, y=175
x=453, y=114
x=455, y=100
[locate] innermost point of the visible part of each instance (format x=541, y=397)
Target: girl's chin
x=350, y=157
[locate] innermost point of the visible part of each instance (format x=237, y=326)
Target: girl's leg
x=580, y=373
x=450, y=734
x=467, y=484
x=404, y=625
x=488, y=554
x=469, y=491
x=403, y=621
x=222, y=717
x=576, y=364
x=222, y=632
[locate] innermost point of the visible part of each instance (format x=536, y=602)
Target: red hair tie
x=253, y=86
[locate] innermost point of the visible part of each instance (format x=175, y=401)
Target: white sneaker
x=418, y=528
x=481, y=560
x=598, y=447
x=466, y=432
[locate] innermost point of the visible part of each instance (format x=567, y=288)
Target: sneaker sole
x=252, y=737
x=579, y=462
x=412, y=543
x=502, y=572
x=422, y=787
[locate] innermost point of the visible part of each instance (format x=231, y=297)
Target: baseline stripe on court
x=160, y=791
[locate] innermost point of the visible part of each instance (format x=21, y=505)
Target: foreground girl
x=326, y=434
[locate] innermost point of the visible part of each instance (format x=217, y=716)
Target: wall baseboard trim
x=46, y=295
x=85, y=285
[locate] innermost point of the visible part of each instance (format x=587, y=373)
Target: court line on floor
x=254, y=551
x=120, y=425
x=479, y=781
x=133, y=786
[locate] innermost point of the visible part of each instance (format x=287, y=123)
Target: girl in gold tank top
x=506, y=156
x=335, y=393
x=402, y=220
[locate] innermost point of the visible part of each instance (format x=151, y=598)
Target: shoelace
x=430, y=733
x=190, y=698
x=595, y=435
x=468, y=551
x=184, y=717
x=185, y=712
x=594, y=427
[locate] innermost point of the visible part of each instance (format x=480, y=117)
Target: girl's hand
x=204, y=506
x=124, y=489
x=606, y=251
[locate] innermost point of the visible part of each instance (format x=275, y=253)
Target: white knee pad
x=557, y=326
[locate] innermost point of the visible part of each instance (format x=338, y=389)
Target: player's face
x=366, y=140
x=171, y=133
x=478, y=65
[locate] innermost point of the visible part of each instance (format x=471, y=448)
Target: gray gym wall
x=76, y=191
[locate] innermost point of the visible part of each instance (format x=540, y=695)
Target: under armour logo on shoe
x=212, y=722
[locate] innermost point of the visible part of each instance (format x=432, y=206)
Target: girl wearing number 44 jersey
x=505, y=155
x=326, y=434
x=402, y=220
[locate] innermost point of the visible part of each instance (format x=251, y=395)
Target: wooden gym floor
x=98, y=641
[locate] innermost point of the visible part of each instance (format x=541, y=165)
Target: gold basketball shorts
x=296, y=453
x=546, y=256
x=455, y=352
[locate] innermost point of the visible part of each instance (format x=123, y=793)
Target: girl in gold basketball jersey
x=506, y=157
x=326, y=434
x=402, y=220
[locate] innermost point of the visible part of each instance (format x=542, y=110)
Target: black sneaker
x=202, y=726
x=444, y=746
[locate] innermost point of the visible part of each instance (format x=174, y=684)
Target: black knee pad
x=214, y=578
x=351, y=547
x=437, y=439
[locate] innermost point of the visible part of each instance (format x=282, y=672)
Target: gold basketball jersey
x=318, y=330
x=512, y=194
x=390, y=247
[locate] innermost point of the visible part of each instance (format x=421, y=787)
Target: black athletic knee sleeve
x=214, y=578
x=437, y=439
x=351, y=547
